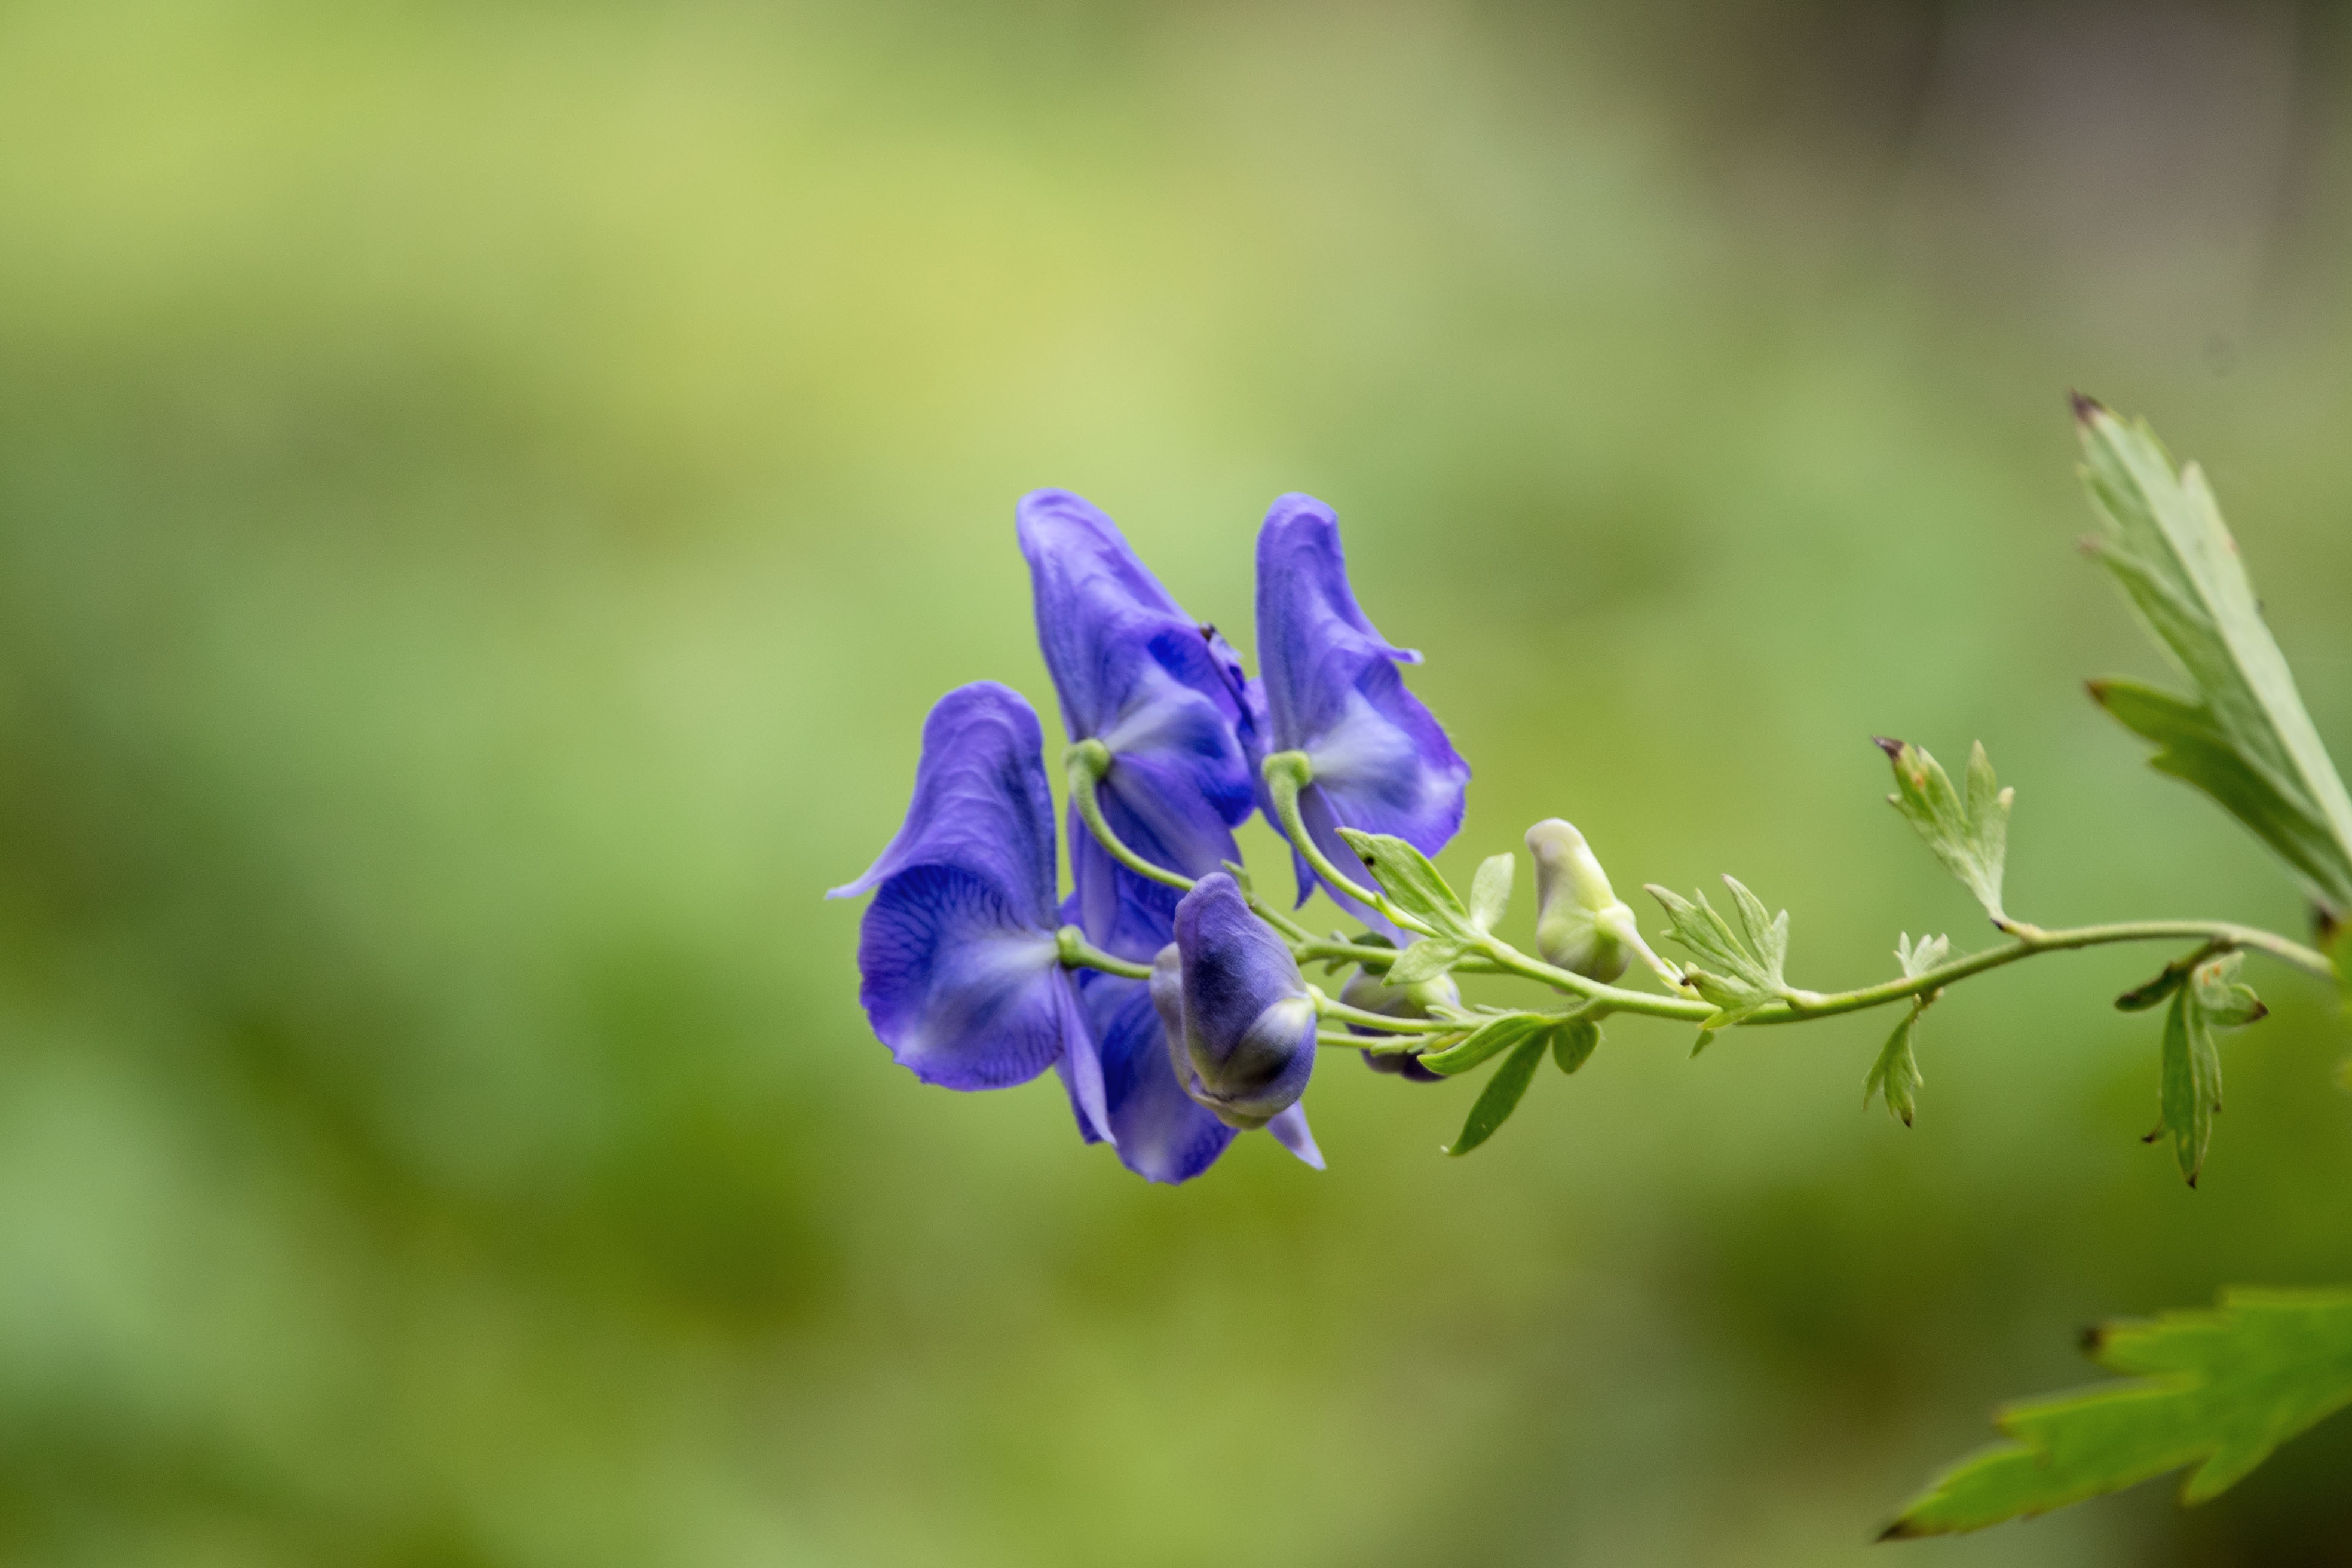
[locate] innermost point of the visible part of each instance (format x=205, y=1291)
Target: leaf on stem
x=1497, y=1035
x=1503, y=1092
x=1425, y=960
x=2219, y=1390
x=2210, y=997
x=1969, y=834
x=1573, y=1043
x=1412, y=884
x=2244, y=737
x=1739, y=967
x=1490, y=890
x=1896, y=1074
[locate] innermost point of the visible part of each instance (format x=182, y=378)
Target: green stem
x=1078, y=953
x=1287, y=772
x=1328, y=1008
x=1379, y=1046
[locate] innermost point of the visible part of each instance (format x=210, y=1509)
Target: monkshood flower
x=1374, y=995
x=1161, y=1132
x=1163, y=694
x=960, y=967
x=1382, y=761
x=1240, y=1021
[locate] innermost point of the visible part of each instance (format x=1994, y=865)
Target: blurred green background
x=488, y=492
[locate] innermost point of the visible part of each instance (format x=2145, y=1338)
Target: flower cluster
x=964, y=951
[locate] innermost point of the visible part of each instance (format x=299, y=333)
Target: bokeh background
x=488, y=492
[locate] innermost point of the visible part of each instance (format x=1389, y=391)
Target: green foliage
x=2219, y=1390
x=2244, y=739
x=1490, y=1038
x=2206, y=999
x=1970, y=835
x=1490, y=890
x=1896, y=1074
x=1739, y=969
x=1415, y=887
x=1573, y=1043
x=1502, y=1091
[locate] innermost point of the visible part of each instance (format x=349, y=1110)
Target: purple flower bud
x=1240, y=1021
x=1382, y=761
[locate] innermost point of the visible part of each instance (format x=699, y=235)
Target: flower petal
x=1382, y=762
x=1289, y=1130
x=960, y=989
x=1164, y=693
x=981, y=802
x=1162, y=1135
x=1248, y=1023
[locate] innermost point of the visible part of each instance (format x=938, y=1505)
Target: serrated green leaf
x=1739, y=970
x=1917, y=960
x=1970, y=835
x=1490, y=890
x=1503, y=1092
x=1497, y=1035
x=2246, y=738
x=1896, y=1074
x=2226, y=1002
x=1411, y=883
x=1425, y=960
x=1573, y=1043
x=2218, y=1390
x=2191, y=1082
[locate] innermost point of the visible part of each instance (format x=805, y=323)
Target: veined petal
x=1382, y=762
x=981, y=802
x=1164, y=693
x=1162, y=1134
x=960, y=989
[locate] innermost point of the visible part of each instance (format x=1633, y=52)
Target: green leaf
x=2226, y=1002
x=1573, y=1043
x=1916, y=960
x=1970, y=835
x=2244, y=737
x=1425, y=960
x=1490, y=890
x=2191, y=1083
x=1503, y=1092
x=1497, y=1035
x=2218, y=1390
x=1739, y=969
x=1896, y=1074
x=1412, y=884
x=2140, y=998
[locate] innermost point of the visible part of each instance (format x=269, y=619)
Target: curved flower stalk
x=960, y=950
x=1371, y=993
x=1381, y=762
x=1239, y=1017
x=1163, y=693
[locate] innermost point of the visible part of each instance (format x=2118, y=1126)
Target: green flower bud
x=1581, y=923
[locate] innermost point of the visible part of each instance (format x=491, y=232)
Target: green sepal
x=1739, y=969
x=1490, y=890
x=1412, y=884
x=1573, y=1043
x=1503, y=1092
x=1970, y=835
x=2140, y=998
x=2243, y=737
x=1490, y=1038
x=2219, y=1390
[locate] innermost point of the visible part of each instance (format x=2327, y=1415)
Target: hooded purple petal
x=1164, y=693
x=1382, y=763
x=1241, y=1022
x=961, y=973
x=1162, y=1134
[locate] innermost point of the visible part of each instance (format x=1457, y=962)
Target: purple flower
x=1382, y=764
x=1161, y=1132
x=962, y=970
x=1162, y=692
x=1240, y=1021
